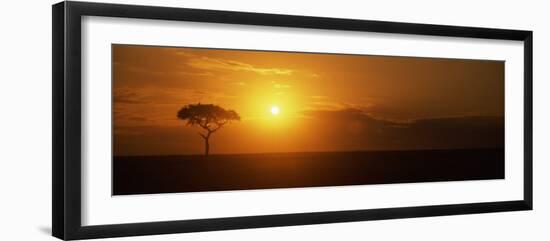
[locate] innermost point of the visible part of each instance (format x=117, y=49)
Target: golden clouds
x=208, y=63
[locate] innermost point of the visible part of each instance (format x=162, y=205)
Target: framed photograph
x=172, y=120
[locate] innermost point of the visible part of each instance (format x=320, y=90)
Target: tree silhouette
x=209, y=117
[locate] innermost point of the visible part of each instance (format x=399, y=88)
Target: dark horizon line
x=309, y=152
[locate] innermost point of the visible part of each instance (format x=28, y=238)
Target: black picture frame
x=66, y=75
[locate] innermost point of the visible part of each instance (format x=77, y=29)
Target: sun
x=275, y=110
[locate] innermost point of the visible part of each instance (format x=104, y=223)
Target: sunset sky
x=296, y=102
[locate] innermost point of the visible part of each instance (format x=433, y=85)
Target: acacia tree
x=209, y=117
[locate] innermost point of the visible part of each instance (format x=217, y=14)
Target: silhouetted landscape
x=192, y=173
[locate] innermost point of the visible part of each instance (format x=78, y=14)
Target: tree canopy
x=209, y=117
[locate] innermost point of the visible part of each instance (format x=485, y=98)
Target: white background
x=25, y=123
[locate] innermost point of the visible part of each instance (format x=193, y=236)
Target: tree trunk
x=206, y=147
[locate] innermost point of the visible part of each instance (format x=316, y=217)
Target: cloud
x=281, y=86
x=163, y=96
x=319, y=97
x=201, y=74
x=354, y=127
x=149, y=71
x=322, y=104
x=185, y=53
x=207, y=63
x=126, y=96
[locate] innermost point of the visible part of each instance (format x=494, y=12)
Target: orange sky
x=327, y=102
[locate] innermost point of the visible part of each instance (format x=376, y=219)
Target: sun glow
x=275, y=110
